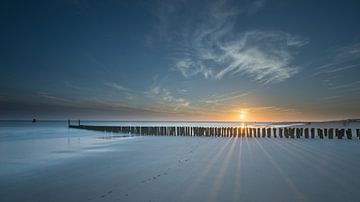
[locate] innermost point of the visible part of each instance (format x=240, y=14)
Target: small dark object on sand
x=34, y=120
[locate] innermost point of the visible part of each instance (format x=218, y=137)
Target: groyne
x=251, y=132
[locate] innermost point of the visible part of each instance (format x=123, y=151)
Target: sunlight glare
x=242, y=116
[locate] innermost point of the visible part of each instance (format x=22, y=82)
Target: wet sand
x=195, y=169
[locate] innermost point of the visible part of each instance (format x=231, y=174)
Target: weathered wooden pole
x=320, y=133
x=268, y=132
x=79, y=122
x=331, y=133
x=274, y=132
x=281, y=132
x=306, y=132
x=349, y=133
x=312, y=131
x=358, y=133
x=286, y=132
x=341, y=133
x=292, y=132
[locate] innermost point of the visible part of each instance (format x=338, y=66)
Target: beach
x=81, y=166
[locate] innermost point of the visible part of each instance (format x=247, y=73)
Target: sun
x=242, y=116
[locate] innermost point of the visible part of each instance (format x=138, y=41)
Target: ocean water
x=25, y=146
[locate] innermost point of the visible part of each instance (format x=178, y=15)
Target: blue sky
x=180, y=60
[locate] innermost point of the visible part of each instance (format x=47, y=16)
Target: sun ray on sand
x=237, y=182
x=249, y=146
x=305, y=159
x=220, y=176
x=285, y=177
x=207, y=168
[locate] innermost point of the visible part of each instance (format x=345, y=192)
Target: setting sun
x=242, y=116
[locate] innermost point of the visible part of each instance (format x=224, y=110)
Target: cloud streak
x=225, y=98
x=117, y=86
x=212, y=47
x=344, y=58
x=164, y=96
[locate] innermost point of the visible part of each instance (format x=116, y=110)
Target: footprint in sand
x=104, y=195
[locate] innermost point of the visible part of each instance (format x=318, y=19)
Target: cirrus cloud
x=214, y=46
x=263, y=56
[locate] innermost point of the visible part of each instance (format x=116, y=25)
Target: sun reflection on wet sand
x=237, y=182
x=208, y=166
x=285, y=177
x=220, y=176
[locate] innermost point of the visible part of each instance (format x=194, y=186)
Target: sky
x=241, y=60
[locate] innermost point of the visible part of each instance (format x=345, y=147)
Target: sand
x=186, y=169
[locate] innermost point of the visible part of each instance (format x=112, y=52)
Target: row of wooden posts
x=286, y=132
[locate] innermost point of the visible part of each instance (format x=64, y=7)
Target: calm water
x=25, y=146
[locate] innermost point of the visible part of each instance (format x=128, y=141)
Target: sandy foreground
x=194, y=169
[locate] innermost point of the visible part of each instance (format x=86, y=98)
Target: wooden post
x=274, y=132
x=331, y=133
x=281, y=132
x=358, y=133
x=292, y=132
x=320, y=133
x=341, y=133
x=349, y=133
x=79, y=122
x=312, y=130
x=306, y=133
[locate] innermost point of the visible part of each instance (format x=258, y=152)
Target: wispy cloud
x=264, y=56
x=117, y=86
x=255, y=6
x=346, y=86
x=220, y=99
x=210, y=45
x=75, y=86
x=164, y=96
x=53, y=98
x=344, y=58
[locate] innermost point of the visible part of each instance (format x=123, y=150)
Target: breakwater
x=251, y=132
